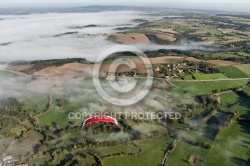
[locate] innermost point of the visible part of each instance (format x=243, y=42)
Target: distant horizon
x=233, y=7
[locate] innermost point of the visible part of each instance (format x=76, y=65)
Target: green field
x=152, y=154
x=232, y=72
x=224, y=55
x=37, y=103
x=59, y=116
x=104, y=151
x=89, y=160
x=146, y=128
x=228, y=98
x=53, y=116
x=6, y=74
x=247, y=89
x=231, y=147
x=41, y=160
x=183, y=150
x=231, y=102
x=201, y=76
x=203, y=87
x=181, y=28
x=200, y=134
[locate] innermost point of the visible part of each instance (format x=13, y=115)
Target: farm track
x=213, y=80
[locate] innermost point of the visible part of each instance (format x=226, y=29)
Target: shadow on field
x=246, y=142
x=245, y=127
x=244, y=101
x=212, y=126
x=239, y=162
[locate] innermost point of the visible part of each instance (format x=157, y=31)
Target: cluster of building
x=8, y=160
x=173, y=69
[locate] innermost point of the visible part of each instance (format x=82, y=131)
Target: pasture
x=152, y=154
x=232, y=72
x=204, y=87
x=231, y=102
x=182, y=151
x=231, y=146
x=201, y=76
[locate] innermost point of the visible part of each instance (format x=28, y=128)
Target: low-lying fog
x=37, y=36
x=42, y=36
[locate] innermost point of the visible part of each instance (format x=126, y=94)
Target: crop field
x=225, y=55
x=222, y=36
x=201, y=76
x=232, y=72
x=244, y=68
x=131, y=38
